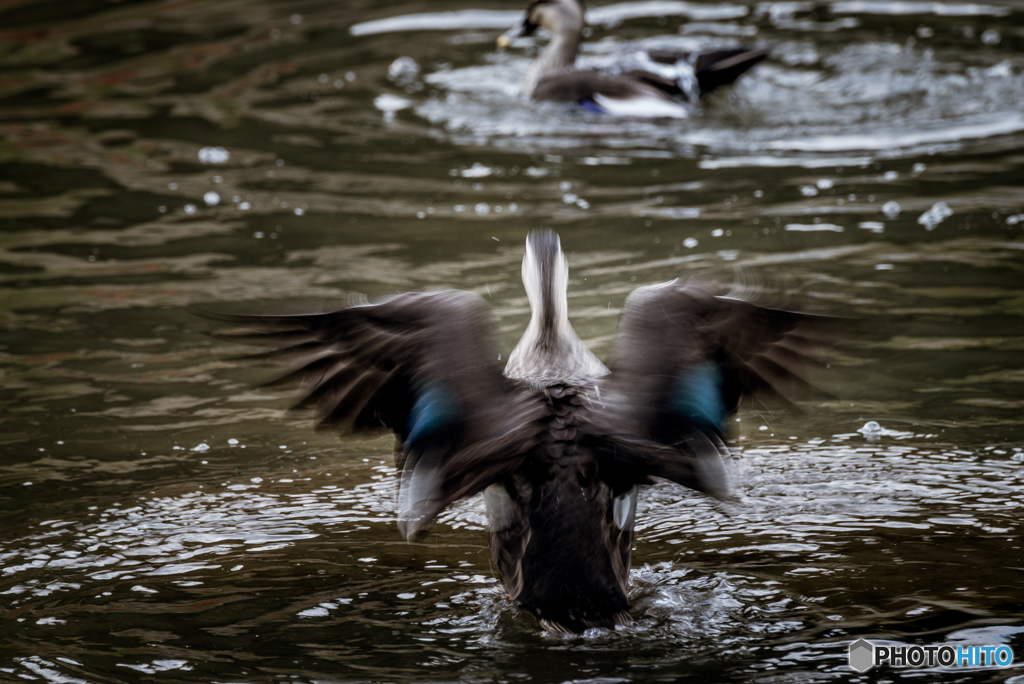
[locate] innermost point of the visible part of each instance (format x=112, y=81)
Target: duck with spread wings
x=557, y=442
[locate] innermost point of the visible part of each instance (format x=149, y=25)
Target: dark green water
x=161, y=521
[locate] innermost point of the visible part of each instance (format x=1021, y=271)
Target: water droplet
x=939, y=212
x=403, y=70
x=477, y=170
x=214, y=155
x=891, y=209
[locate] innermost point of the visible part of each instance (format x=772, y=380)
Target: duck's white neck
x=546, y=279
x=550, y=352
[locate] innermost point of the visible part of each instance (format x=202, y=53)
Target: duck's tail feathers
x=722, y=67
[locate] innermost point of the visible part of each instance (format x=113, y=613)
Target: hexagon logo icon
x=862, y=655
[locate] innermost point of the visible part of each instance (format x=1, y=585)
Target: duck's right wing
x=681, y=362
x=424, y=364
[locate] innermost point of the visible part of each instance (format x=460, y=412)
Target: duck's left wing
x=424, y=364
x=681, y=361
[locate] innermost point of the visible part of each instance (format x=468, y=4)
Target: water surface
x=164, y=521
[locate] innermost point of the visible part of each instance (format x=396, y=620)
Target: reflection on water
x=161, y=519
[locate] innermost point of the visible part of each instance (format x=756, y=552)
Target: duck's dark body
x=560, y=493
x=557, y=442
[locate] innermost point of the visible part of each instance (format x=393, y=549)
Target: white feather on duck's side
x=644, y=106
x=560, y=470
x=645, y=83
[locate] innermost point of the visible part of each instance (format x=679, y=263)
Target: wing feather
x=682, y=360
x=423, y=364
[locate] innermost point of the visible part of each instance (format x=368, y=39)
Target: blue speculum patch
x=697, y=396
x=434, y=409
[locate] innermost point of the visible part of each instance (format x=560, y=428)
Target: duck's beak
x=523, y=27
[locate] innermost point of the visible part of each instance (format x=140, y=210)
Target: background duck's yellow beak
x=522, y=28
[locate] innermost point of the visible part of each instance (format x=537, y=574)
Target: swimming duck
x=558, y=443
x=639, y=83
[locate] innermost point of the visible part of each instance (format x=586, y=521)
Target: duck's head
x=561, y=17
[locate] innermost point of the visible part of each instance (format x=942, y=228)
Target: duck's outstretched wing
x=424, y=364
x=681, y=361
